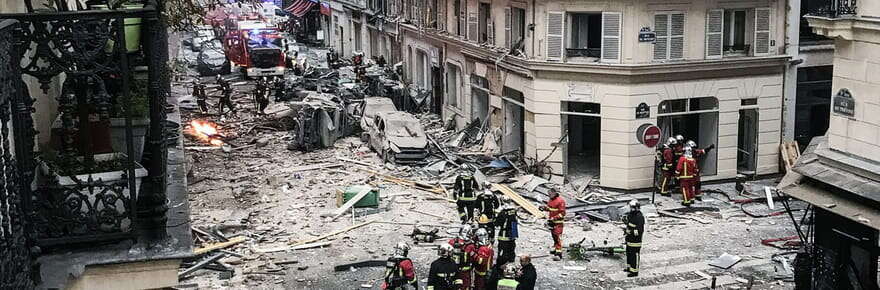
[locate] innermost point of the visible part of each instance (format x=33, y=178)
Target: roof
x=835, y=182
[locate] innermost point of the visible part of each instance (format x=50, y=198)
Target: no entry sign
x=649, y=135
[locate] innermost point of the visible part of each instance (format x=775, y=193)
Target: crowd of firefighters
x=679, y=168
x=470, y=261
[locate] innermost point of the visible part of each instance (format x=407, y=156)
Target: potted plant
x=140, y=119
x=132, y=25
x=91, y=187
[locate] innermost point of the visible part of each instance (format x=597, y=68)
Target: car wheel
x=389, y=157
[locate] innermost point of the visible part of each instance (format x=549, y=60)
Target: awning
x=301, y=7
x=795, y=185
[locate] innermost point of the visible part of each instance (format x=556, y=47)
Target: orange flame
x=206, y=131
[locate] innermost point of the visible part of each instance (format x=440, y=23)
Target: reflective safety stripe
x=481, y=273
x=635, y=245
x=631, y=224
x=458, y=282
x=467, y=198
x=443, y=275
x=552, y=209
x=507, y=284
x=558, y=221
x=503, y=238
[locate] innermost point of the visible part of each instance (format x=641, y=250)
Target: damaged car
x=398, y=137
x=370, y=108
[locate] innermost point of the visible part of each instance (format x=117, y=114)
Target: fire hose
x=787, y=245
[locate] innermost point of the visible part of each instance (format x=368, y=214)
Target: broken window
x=515, y=26
x=453, y=72
x=485, y=23
x=585, y=35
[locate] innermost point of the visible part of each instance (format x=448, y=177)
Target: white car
x=398, y=137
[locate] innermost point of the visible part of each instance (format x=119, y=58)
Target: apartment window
x=515, y=25
x=669, y=29
x=485, y=23
x=735, y=31
x=357, y=37
x=738, y=32
x=585, y=35
x=460, y=18
x=453, y=73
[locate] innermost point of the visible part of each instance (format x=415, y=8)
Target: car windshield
x=372, y=108
x=401, y=128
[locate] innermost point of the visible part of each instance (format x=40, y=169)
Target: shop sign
x=649, y=135
x=844, y=103
x=643, y=111
x=646, y=35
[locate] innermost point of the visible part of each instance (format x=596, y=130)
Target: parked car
x=211, y=61
x=201, y=36
x=372, y=106
x=398, y=137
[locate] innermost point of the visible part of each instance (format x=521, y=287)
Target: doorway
x=513, y=137
x=437, y=90
x=747, y=143
x=695, y=119
x=584, y=126
x=479, y=98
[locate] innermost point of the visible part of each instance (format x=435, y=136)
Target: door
x=437, y=90
x=747, y=144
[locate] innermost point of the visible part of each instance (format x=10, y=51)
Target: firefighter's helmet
x=401, y=250
x=691, y=143
x=482, y=236
x=688, y=152
x=510, y=271
x=445, y=251
x=464, y=232
x=634, y=205
x=671, y=141
x=679, y=138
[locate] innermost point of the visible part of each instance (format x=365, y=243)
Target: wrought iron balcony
x=833, y=8
x=87, y=187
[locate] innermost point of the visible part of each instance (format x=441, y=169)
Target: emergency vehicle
x=255, y=47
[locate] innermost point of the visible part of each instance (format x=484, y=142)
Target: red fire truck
x=255, y=47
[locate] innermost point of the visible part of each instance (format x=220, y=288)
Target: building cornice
x=847, y=28
x=634, y=72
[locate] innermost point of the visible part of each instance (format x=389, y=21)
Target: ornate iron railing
x=16, y=258
x=835, y=8
x=81, y=195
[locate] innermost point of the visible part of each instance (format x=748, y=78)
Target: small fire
x=206, y=131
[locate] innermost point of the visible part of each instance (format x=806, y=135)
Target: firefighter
x=555, y=219
x=511, y=272
x=226, y=95
x=463, y=193
x=482, y=259
x=686, y=170
x=278, y=86
x=667, y=162
x=487, y=205
x=463, y=252
x=507, y=232
x=261, y=95
x=635, y=228
x=200, y=95
x=399, y=270
x=444, y=272
x=698, y=156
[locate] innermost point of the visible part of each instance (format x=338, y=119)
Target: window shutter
x=473, y=27
x=555, y=35
x=611, y=36
x=762, y=31
x=490, y=30
x=441, y=15
x=661, y=28
x=714, y=33
x=676, y=36
x=507, y=23
x=462, y=18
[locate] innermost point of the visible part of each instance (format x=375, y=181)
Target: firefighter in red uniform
x=482, y=259
x=666, y=166
x=698, y=156
x=555, y=218
x=399, y=270
x=463, y=253
x=686, y=171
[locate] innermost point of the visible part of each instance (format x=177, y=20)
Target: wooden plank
x=199, y=265
x=315, y=166
x=312, y=240
x=340, y=211
x=288, y=248
x=527, y=205
x=217, y=246
x=670, y=214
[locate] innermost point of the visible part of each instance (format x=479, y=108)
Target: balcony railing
x=835, y=8
x=90, y=185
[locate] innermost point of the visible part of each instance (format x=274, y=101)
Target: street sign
x=844, y=103
x=649, y=135
x=643, y=111
x=646, y=35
